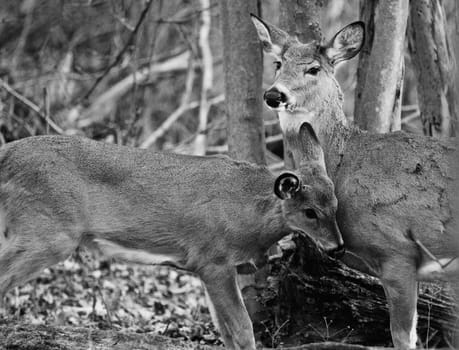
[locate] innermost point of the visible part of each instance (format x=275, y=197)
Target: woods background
x=185, y=76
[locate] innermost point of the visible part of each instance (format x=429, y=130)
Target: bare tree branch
x=32, y=106
x=105, y=102
x=173, y=117
x=207, y=78
x=123, y=50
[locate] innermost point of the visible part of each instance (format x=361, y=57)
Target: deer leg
x=232, y=317
x=401, y=289
x=221, y=326
x=26, y=250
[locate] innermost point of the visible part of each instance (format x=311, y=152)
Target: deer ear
x=310, y=145
x=272, y=38
x=286, y=185
x=346, y=43
x=307, y=131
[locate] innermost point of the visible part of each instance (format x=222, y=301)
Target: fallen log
x=315, y=299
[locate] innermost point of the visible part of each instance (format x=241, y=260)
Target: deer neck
x=330, y=125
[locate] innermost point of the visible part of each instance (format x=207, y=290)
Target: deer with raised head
x=206, y=215
x=394, y=208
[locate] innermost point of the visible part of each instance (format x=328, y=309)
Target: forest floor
x=87, y=301
x=99, y=295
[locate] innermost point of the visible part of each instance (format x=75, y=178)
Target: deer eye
x=310, y=213
x=277, y=65
x=313, y=70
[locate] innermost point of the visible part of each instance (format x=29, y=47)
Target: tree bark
x=243, y=67
x=455, y=165
x=301, y=18
x=380, y=71
x=434, y=66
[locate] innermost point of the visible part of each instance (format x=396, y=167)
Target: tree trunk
x=434, y=66
x=455, y=166
x=301, y=18
x=379, y=85
x=456, y=61
x=243, y=66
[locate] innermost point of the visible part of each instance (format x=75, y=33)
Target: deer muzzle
x=273, y=97
x=339, y=251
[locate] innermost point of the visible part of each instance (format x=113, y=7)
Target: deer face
x=305, y=72
x=309, y=205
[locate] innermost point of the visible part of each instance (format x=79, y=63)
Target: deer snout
x=337, y=251
x=273, y=97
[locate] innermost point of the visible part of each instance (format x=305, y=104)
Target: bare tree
x=243, y=67
x=434, y=66
x=381, y=67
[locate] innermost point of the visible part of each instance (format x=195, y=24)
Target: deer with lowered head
x=206, y=215
x=394, y=211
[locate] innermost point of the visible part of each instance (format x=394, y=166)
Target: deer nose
x=273, y=97
x=338, y=252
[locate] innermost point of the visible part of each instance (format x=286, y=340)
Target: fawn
x=206, y=215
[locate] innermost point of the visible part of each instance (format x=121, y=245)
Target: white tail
x=394, y=213
x=203, y=214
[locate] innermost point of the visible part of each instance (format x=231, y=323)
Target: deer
x=206, y=215
x=394, y=212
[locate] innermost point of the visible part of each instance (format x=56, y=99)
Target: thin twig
x=29, y=104
x=107, y=309
x=173, y=117
x=97, y=110
x=46, y=107
x=24, y=34
x=155, y=34
x=178, y=112
x=410, y=117
x=429, y=253
x=123, y=50
x=183, y=20
x=409, y=108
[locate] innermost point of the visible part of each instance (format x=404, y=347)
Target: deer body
x=392, y=188
x=203, y=214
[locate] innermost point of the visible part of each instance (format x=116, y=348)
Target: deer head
x=310, y=203
x=305, y=71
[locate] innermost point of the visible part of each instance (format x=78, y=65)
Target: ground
x=102, y=295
